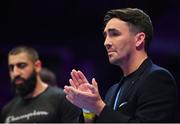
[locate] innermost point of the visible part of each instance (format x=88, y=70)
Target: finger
x=74, y=72
x=67, y=90
x=92, y=88
x=71, y=90
x=72, y=83
x=69, y=96
x=74, y=77
x=94, y=83
x=82, y=77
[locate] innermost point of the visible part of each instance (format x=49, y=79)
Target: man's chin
x=113, y=61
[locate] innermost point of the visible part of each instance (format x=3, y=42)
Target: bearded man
x=35, y=101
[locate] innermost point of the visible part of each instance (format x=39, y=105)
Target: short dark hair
x=25, y=49
x=137, y=20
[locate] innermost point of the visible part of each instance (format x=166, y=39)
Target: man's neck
x=133, y=64
x=40, y=88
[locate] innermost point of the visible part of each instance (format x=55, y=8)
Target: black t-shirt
x=50, y=106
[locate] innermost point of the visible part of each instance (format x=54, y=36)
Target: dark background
x=68, y=34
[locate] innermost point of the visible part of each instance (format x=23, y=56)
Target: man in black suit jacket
x=145, y=93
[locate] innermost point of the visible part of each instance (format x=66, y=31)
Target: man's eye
x=21, y=65
x=114, y=33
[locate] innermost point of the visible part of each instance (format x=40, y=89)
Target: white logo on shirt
x=25, y=116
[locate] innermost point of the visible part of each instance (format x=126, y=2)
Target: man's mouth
x=110, y=51
x=19, y=81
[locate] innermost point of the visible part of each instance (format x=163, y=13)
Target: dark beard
x=27, y=86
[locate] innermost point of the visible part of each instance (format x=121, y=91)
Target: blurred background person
x=48, y=76
x=35, y=101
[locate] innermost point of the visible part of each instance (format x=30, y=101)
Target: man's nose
x=107, y=42
x=16, y=71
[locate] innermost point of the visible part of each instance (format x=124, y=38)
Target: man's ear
x=140, y=39
x=38, y=66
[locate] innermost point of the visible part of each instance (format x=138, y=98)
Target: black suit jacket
x=149, y=97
